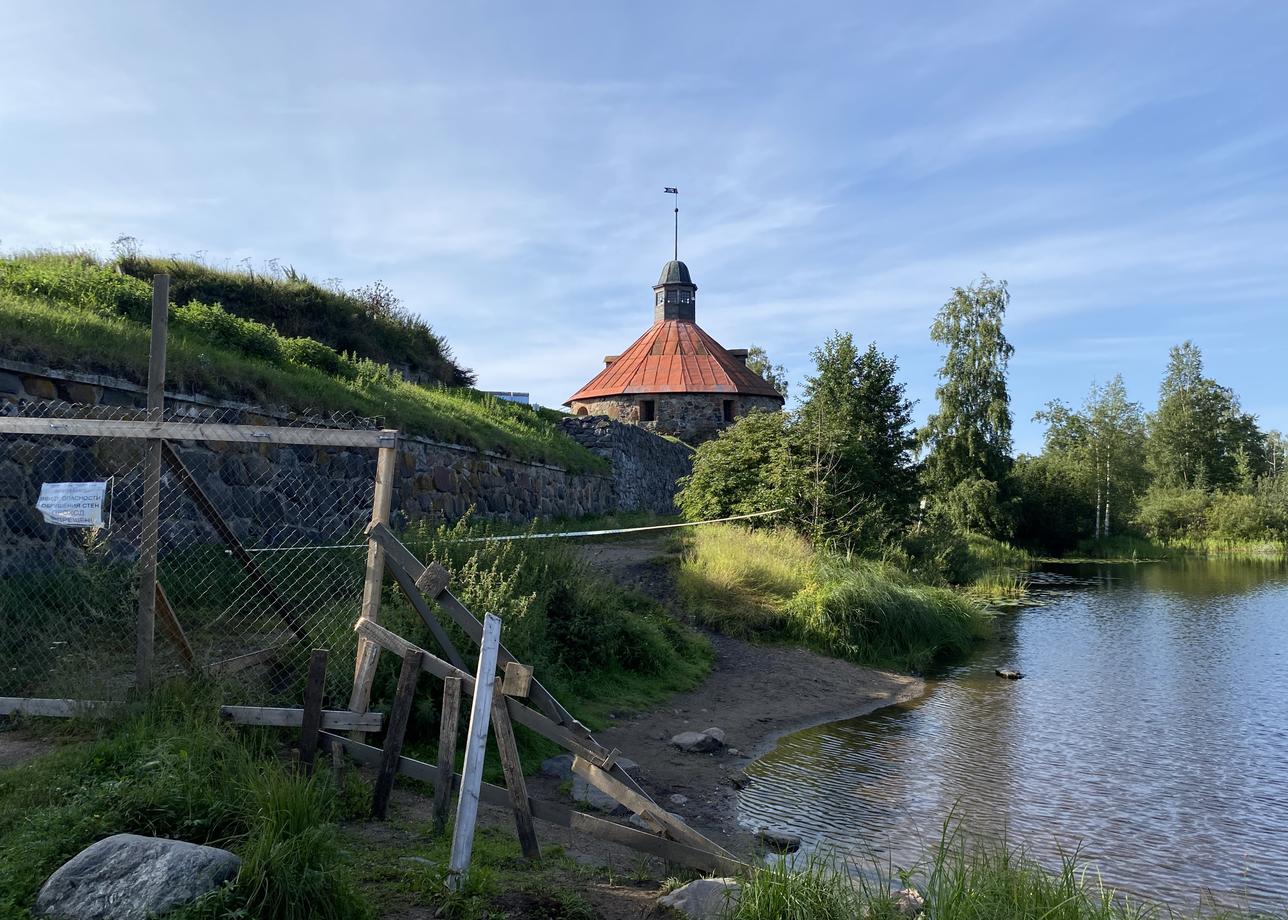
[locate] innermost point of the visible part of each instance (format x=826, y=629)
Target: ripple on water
x=1151, y=732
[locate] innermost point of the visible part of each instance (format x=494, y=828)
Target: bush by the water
x=173, y=769
x=773, y=585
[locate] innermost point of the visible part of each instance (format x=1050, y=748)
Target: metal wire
x=69, y=596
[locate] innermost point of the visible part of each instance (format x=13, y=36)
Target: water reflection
x=1151, y=729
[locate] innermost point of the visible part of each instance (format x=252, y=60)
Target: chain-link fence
x=260, y=551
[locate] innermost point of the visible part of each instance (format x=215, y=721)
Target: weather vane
x=676, y=192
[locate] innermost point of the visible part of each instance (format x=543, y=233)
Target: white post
x=467, y=807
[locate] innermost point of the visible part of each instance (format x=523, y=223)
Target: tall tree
x=774, y=374
x=1199, y=436
x=1104, y=442
x=968, y=440
x=855, y=440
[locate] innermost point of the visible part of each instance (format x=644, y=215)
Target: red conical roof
x=675, y=356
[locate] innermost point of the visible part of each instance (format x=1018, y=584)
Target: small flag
x=671, y=191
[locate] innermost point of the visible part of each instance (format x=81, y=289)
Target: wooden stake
x=314, y=691
x=467, y=807
x=446, y=749
x=149, y=535
x=513, y=770
x=394, y=735
x=368, y=654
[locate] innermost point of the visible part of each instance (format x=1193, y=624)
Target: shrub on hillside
x=312, y=353
x=745, y=469
x=219, y=327
x=80, y=281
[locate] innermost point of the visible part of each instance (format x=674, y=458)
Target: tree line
x=855, y=474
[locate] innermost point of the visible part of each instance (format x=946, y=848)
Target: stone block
x=39, y=387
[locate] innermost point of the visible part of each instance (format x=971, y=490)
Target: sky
x=841, y=166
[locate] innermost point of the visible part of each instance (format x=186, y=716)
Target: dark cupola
x=675, y=295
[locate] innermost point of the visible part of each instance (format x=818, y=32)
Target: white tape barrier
x=602, y=533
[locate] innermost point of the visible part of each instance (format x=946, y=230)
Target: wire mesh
x=291, y=581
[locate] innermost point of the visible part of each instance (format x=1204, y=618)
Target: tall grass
x=771, y=584
x=173, y=769
x=959, y=880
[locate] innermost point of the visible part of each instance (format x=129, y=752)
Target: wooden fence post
x=467, y=807
x=396, y=731
x=368, y=655
x=145, y=631
x=514, y=784
x=314, y=691
x=446, y=750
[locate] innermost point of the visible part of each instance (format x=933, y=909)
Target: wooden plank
x=331, y=719
x=433, y=581
x=467, y=804
x=150, y=523
x=642, y=806
x=174, y=632
x=311, y=724
x=552, y=812
x=399, y=555
x=585, y=747
x=514, y=783
x=398, y=718
x=241, y=662
x=366, y=658
x=518, y=680
x=435, y=627
x=189, y=431
x=446, y=749
x=54, y=708
x=208, y=510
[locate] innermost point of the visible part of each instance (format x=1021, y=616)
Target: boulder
x=704, y=899
x=703, y=742
x=590, y=795
x=127, y=877
x=778, y=840
x=559, y=767
x=908, y=902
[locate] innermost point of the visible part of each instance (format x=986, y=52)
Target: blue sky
x=1124, y=166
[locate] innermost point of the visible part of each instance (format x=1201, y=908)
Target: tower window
x=648, y=410
x=728, y=410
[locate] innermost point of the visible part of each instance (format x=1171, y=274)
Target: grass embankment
x=72, y=311
x=1133, y=548
x=773, y=585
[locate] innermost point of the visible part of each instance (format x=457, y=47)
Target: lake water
x=1150, y=731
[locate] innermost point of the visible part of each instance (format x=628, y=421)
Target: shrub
x=743, y=470
x=1053, y=513
x=219, y=327
x=1235, y=517
x=1173, y=514
x=312, y=353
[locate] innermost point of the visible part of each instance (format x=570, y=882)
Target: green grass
x=70, y=312
x=773, y=585
x=173, y=769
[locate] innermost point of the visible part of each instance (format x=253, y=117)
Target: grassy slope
x=774, y=585
x=53, y=310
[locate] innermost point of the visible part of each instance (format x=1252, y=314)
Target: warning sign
x=72, y=504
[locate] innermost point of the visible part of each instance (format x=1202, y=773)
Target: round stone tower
x=676, y=379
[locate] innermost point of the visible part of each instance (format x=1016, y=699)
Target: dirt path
x=755, y=693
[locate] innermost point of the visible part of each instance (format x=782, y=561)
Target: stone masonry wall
x=268, y=489
x=691, y=417
x=645, y=466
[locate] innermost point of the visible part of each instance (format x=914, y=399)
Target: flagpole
x=677, y=226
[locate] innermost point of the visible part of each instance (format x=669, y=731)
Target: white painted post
x=467, y=807
x=149, y=535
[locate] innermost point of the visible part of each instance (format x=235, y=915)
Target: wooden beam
x=518, y=680
x=435, y=627
x=189, y=431
x=174, y=632
x=208, y=510
x=467, y=804
x=553, y=812
x=367, y=657
x=446, y=748
x=311, y=723
x=398, y=718
x=54, y=708
x=514, y=783
x=242, y=662
x=331, y=719
x=641, y=806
